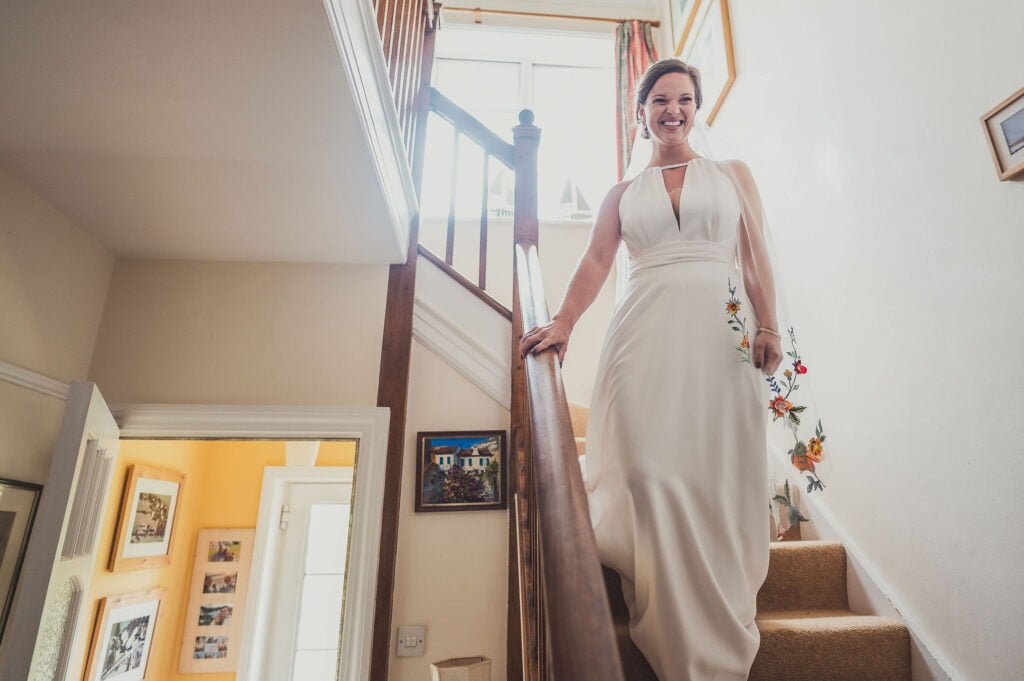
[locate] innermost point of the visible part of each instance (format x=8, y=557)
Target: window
x=567, y=79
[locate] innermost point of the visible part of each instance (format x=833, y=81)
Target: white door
x=45, y=640
x=310, y=578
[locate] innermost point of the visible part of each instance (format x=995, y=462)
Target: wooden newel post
x=526, y=139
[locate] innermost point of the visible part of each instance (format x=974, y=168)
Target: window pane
x=320, y=613
x=575, y=108
x=487, y=89
x=327, y=539
x=316, y=665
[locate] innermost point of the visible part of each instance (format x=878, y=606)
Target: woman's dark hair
x=659, y=69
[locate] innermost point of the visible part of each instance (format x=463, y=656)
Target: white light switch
x=411, y=640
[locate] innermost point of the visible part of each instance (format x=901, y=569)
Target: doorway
x=220, y=497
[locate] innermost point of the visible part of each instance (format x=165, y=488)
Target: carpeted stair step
x=805, y=575
x=838, y=645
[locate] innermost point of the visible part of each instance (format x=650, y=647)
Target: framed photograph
x=681, y=13
x=707, y=44
x=18, y=504
x=1004, y=129
x=461, y=471
x=216, y=603
x=123, y=636
x=145, y=527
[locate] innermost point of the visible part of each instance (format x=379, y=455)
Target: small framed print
x=145, y=527
x=123, y=636
x=213, y=620
x=1004, y=129
x=18, y=504
x=461, y=471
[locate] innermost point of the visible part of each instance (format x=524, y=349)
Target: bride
x=676, y=463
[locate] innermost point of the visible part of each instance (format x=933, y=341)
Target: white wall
x=241, y=333
x=901, y=255
x=53, y=282
x=452, y=566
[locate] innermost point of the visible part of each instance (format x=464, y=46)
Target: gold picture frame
x=707, y=44
x=1004, y=130
x=147, y=522
x=681, y=14
x=122, y=638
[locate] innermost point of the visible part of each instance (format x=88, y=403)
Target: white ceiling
x=192, y=129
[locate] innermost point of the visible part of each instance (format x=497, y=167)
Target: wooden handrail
x=575, y=638
x=469, y=126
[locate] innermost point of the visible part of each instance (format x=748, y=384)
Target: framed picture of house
x=707, y=44
x=123, y=636
x=461, y=470
x=145, y=526
x=1004, y=129
x=18, y=504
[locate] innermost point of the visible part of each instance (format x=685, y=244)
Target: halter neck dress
x=676, y=462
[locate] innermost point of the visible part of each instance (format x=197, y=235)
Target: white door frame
x=367, y=424
x=276, y=480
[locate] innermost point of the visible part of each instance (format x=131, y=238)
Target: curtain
x=634, y=52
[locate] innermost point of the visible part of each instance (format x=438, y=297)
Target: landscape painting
x=461, y=470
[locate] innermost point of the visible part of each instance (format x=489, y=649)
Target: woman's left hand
x=767, y=352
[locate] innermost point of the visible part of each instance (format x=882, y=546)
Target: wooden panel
x=393, y=391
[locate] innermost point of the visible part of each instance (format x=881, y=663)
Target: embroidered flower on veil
x=803, y=455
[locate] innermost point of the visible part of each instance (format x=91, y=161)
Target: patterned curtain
x=634, y=52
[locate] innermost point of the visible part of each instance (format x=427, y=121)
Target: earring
x=645, y=132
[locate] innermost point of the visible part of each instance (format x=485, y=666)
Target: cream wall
x=452, y=567
x=53, y=282
x=241, y=333
x=901, y=255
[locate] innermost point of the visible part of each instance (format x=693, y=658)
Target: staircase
x=808, y=632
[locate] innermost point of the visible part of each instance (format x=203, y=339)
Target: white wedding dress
x=676, y=462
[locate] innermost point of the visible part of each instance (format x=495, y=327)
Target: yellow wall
x=222, y=489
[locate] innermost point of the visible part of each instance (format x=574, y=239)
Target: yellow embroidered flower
x=780, y=406
x=787, y=373
x=815, y=450
x=745, y=343
x=732, y=307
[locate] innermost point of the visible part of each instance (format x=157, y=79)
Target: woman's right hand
x=555, y=333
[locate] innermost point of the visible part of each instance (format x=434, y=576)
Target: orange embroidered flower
x=815, y=450
x=732, y=307
x=803, y=462
x=745, y=343
x=780, y=406
x=801, y=458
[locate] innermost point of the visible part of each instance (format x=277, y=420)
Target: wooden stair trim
x=464, y=281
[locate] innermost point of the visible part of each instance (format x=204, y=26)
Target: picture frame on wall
x=146, y=524
x=1004, y=130
x=462, y=470
x=707, y=44
x=123, y=636
x=18, y=504
x=681, y=14
x=216, y=603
